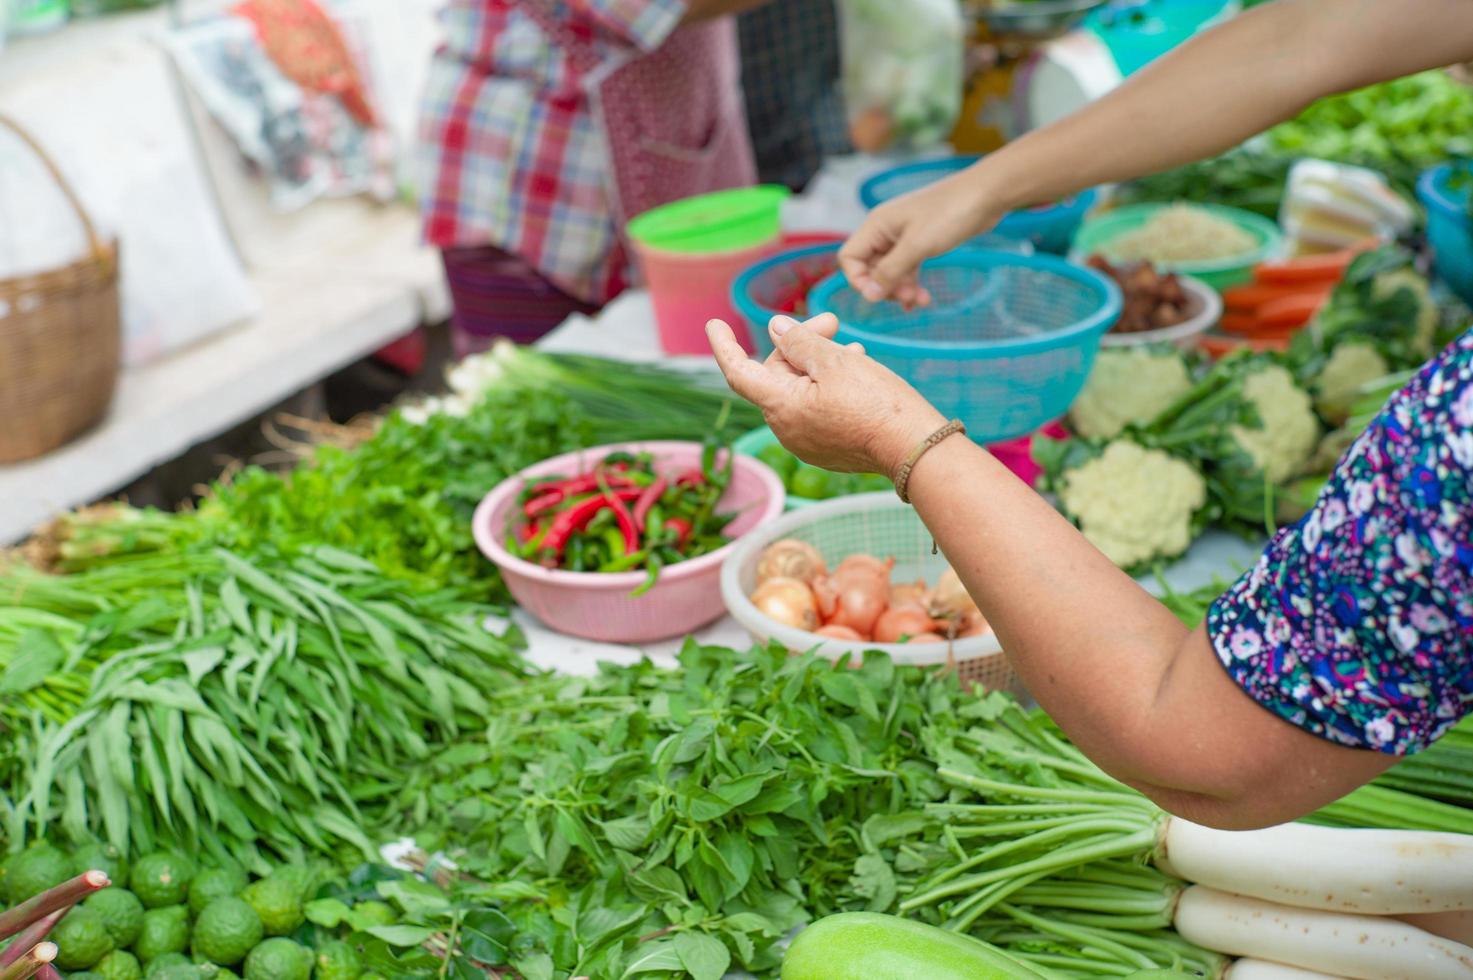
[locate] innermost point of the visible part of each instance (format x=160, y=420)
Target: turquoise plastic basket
x=759, y=291
x=1449, y=228
x=1050, y=228
x=1005, y=345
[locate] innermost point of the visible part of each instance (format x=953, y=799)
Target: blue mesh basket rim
x=750, y=308
x=1433, y=189
x=869, y=191
x=1096, y=323
x=1024, y=221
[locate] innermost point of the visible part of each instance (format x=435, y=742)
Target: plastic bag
x=902, y=71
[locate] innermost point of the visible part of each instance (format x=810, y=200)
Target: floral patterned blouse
x=1357, y=622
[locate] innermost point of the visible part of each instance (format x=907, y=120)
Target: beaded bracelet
x=902, y=476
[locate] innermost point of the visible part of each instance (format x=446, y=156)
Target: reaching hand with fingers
x=830, y=404
x=881, y=260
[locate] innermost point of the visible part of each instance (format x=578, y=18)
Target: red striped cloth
x=497, y=294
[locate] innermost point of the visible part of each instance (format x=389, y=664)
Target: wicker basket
x=871, y=523
x=60, y=339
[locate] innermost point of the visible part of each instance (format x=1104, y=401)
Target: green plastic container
x=1096, y=233
x=722, y=221
x=754, y=442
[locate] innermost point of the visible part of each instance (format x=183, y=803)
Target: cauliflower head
x=1289, y=432
x=1136, y=505
x=1350, y=366
x=1128, y=386
x=1388, y=283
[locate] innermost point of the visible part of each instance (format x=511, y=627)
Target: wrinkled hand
x=882, y=258
x=830, y=405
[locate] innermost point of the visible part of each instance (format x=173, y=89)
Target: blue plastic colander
x=1005, y=345
x=1449, y=227
x=766, y=288
x=1048, y=228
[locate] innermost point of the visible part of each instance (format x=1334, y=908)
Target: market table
x=625, y=329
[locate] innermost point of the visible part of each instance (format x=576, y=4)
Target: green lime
x=81, y=939
x=178, y=971
x=278, y=901
x=213, y=883
x=300, y=878
x=121, y=912
x=165, y=930
x=337, y=960
x=278, y=959
x=101, y=857
x=30, y=872
x=870, y=482
x=810, y=482
x=783, y=463
x=213, y=971
x=119, y=965
x=227, y=930
x=165, y=961
x=160, y=879
x=375, y=913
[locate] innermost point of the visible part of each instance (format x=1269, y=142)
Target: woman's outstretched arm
x=1146, y=699
x=1209, y=94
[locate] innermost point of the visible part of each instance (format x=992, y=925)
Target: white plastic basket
x=878, y=524
x=1206, y=306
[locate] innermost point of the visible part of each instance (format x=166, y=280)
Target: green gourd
x=870, y=946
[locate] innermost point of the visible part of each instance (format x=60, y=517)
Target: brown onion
x=898, y=622
x=836, y=632
x=858, y=567
x=950, y=600
x=927, y=638
x=860, y=604
x=790, y=558
x=788, y=601
x=826, y=593
x=913, y=595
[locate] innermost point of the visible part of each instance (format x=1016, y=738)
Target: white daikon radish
x=1264, y=970
x=1374, y=872
x=1448, y=925
x=1361, y=947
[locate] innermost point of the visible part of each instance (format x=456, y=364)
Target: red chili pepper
x=691, y=478
x=528, y=531
x=647, y=500
x=626, y=523
x=576, y=518
x=543, y=503
x=681, y=526
x=586, y=483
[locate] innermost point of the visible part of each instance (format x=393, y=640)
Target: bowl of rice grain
x=1218, y=245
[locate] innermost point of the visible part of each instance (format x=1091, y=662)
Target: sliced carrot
x=1252, y=297
x=1243, y=324
x=1326, y=268
x=1290, y=311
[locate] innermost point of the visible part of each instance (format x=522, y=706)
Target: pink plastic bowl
x=598, y=606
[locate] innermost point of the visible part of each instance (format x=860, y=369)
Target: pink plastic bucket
x=690, y=288
x=598, y=606
x=1017, y=454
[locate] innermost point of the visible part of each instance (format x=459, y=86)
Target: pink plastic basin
x=689, y=289
x=598, y=606
x=1017, y=454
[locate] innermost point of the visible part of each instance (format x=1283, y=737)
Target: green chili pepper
x=615, y=542
x=575, y=553
x=654, y=523
x=624, y=562
x=654, y=566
